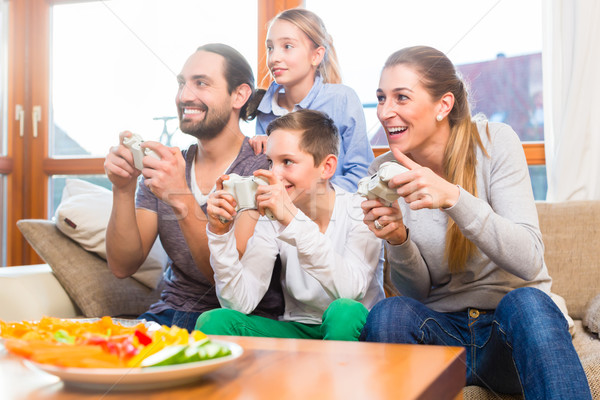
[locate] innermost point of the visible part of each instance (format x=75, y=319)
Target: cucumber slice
x=180, y=354
x=168, y=356
x=191, y=353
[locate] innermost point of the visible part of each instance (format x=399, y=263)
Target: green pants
x=343, y=320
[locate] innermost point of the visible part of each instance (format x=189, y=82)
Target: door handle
x=20, y=116
x=36, y=116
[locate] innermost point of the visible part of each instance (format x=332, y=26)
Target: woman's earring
x=439, y=118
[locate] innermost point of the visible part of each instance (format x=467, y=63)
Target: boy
x=332, y=264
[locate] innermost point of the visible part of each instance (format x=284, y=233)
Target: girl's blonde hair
x=313, y=27
x=438, y=76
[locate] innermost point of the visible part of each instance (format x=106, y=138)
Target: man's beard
x=210, y=127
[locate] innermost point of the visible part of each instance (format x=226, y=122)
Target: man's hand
x=165, y=177
x=119, y=167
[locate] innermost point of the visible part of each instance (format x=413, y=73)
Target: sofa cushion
x=85, y=276
x=571, y=238
x=83, y=215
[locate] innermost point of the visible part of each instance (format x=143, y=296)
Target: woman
x=463, y=240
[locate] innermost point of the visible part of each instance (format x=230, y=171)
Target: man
x=215, y=85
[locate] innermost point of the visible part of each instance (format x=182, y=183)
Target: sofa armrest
x=85, y=276
x=31, y=292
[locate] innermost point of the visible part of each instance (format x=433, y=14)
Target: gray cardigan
x=501, y=221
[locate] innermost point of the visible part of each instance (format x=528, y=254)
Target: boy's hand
x=220, y=209
x=274, y=197
x=385, y=222
x=119, y=167
x=258, y=143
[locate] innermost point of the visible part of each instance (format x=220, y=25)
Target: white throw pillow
x=83, y=215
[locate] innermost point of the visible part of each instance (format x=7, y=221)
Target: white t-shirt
x=198, y=195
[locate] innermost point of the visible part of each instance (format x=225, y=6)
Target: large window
x=90, y=69
x=114, y=66
x=496, y=50
x=84, y=70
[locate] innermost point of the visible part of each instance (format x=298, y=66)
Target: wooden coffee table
x=284, y=369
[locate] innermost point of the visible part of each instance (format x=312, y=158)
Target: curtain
x=571, y=68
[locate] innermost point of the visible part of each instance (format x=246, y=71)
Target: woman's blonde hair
x=438, y=76
x=313, y=27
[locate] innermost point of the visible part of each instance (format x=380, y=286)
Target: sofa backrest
x=571, y=235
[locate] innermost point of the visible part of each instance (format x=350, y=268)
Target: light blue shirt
x=342, y=105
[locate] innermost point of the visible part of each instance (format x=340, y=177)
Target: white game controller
x=133, y=143
x=243, y=190
x=376, y=186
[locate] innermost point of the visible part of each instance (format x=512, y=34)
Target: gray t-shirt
x=186, y=288
x=501, y=221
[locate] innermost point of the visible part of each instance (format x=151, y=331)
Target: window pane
x=57, y=184
x=473, y=35
x=509, y=90
x=539, y=181
x=114, y=65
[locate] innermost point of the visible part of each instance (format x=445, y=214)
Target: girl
x=303, y=63
x=463, y=241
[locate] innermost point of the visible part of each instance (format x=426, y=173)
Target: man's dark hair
x=237, y=70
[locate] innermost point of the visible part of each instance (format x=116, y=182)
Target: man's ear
x=328, y=166
x=240, y=96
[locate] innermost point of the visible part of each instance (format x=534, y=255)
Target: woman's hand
x=258, y=143
x=274, y=199
x=385, y=222
x=421, y=187
x=220, y=209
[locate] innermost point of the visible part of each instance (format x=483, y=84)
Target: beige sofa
x=76, y=282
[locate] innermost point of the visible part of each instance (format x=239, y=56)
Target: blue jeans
x=169, y=317
x=523, y=346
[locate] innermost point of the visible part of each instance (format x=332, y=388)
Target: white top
x=344, y=262
x=200, y=197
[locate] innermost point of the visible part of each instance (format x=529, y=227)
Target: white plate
x=138, y=378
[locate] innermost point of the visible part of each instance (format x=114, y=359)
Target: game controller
x=243, y=190
x=376, y=186
x=133, y=143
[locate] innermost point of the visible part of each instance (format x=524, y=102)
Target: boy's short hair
x=319, y=134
